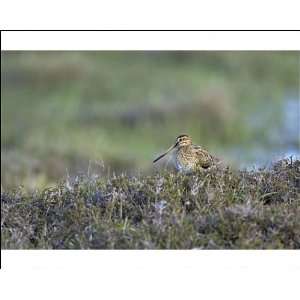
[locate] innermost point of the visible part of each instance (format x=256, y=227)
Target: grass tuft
x=212, y=209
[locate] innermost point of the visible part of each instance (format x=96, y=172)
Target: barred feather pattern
x=190, y=157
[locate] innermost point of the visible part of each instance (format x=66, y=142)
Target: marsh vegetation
x=212, y=209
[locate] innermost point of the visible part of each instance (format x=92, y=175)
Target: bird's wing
x=205, y=159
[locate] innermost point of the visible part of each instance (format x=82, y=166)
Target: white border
x=122, y=274
x=146, y=14
x=150, y=40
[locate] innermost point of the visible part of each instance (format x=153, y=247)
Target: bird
x=188, y=157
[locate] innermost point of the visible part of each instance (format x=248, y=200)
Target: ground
x=212, y=209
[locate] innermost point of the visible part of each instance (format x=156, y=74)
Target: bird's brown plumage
x=188, y=157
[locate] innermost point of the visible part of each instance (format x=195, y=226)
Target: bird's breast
x=184, y=161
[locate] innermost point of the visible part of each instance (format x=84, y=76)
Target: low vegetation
x=212, y=209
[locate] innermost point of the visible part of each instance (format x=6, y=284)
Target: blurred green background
x=68, y=112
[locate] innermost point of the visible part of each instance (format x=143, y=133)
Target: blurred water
x=282, y=138
x=291, y=127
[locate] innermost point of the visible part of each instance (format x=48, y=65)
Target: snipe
x=188, y=157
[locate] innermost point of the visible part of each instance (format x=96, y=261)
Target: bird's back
x=193, y=156
x=204, y=159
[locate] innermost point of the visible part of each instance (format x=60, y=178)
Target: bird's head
x=181, y=141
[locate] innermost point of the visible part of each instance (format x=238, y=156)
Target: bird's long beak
x=164, y=154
